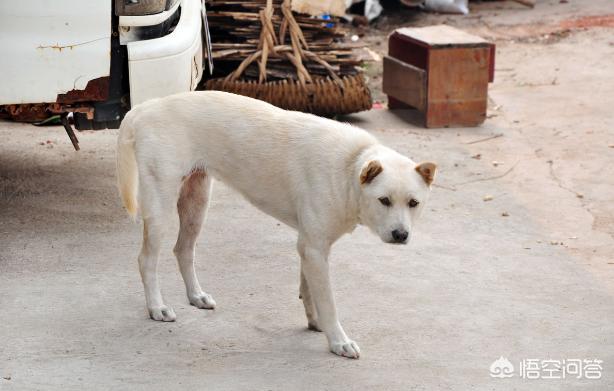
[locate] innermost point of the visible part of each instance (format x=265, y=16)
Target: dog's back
x=232, y=136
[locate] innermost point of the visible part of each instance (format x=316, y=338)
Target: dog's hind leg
x=192, y=208
x=153, y=231
x=310, y=309
x=156, y=200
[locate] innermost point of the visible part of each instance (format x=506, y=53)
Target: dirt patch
x=542, y=33
x=588, y=22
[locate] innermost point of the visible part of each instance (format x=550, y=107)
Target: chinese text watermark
x=534, y=368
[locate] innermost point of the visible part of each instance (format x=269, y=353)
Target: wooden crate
x=441, y=71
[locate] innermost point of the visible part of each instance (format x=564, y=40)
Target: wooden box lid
x=441, y=35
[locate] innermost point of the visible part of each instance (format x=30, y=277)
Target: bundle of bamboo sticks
x=235, y=32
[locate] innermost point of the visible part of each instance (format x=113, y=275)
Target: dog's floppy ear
x=370, y=171
x=427, y=171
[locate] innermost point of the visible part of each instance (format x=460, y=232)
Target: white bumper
x=171, y=64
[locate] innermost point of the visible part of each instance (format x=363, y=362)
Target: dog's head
x=393, y=192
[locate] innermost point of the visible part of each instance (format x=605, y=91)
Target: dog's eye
x=413, y=203
x=385, y=201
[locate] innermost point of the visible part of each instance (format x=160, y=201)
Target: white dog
x=318, y=176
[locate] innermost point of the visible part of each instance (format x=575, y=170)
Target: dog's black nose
x=400, y=235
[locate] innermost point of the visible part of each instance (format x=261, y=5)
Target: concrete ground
x=528, y=274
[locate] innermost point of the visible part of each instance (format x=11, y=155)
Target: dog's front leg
x=315, y=269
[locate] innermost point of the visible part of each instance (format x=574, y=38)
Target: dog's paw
x=163, y=313
x=313, y=326
x=347, y=348
x=202, y=300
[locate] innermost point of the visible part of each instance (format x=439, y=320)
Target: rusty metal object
x=25, y=112
x=95, y=90
x=71, y=133
x=34, y=112
x=89, y=111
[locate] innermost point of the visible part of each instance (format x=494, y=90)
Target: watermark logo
x=501, y=368
x=533, y=368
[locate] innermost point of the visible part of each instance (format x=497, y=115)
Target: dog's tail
x=127, y=172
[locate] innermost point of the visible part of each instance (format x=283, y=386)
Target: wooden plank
x=441, y=35
x=457, y=86
x=405, y=82
x=408, y=50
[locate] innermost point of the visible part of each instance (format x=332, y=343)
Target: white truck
x=96, y=58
